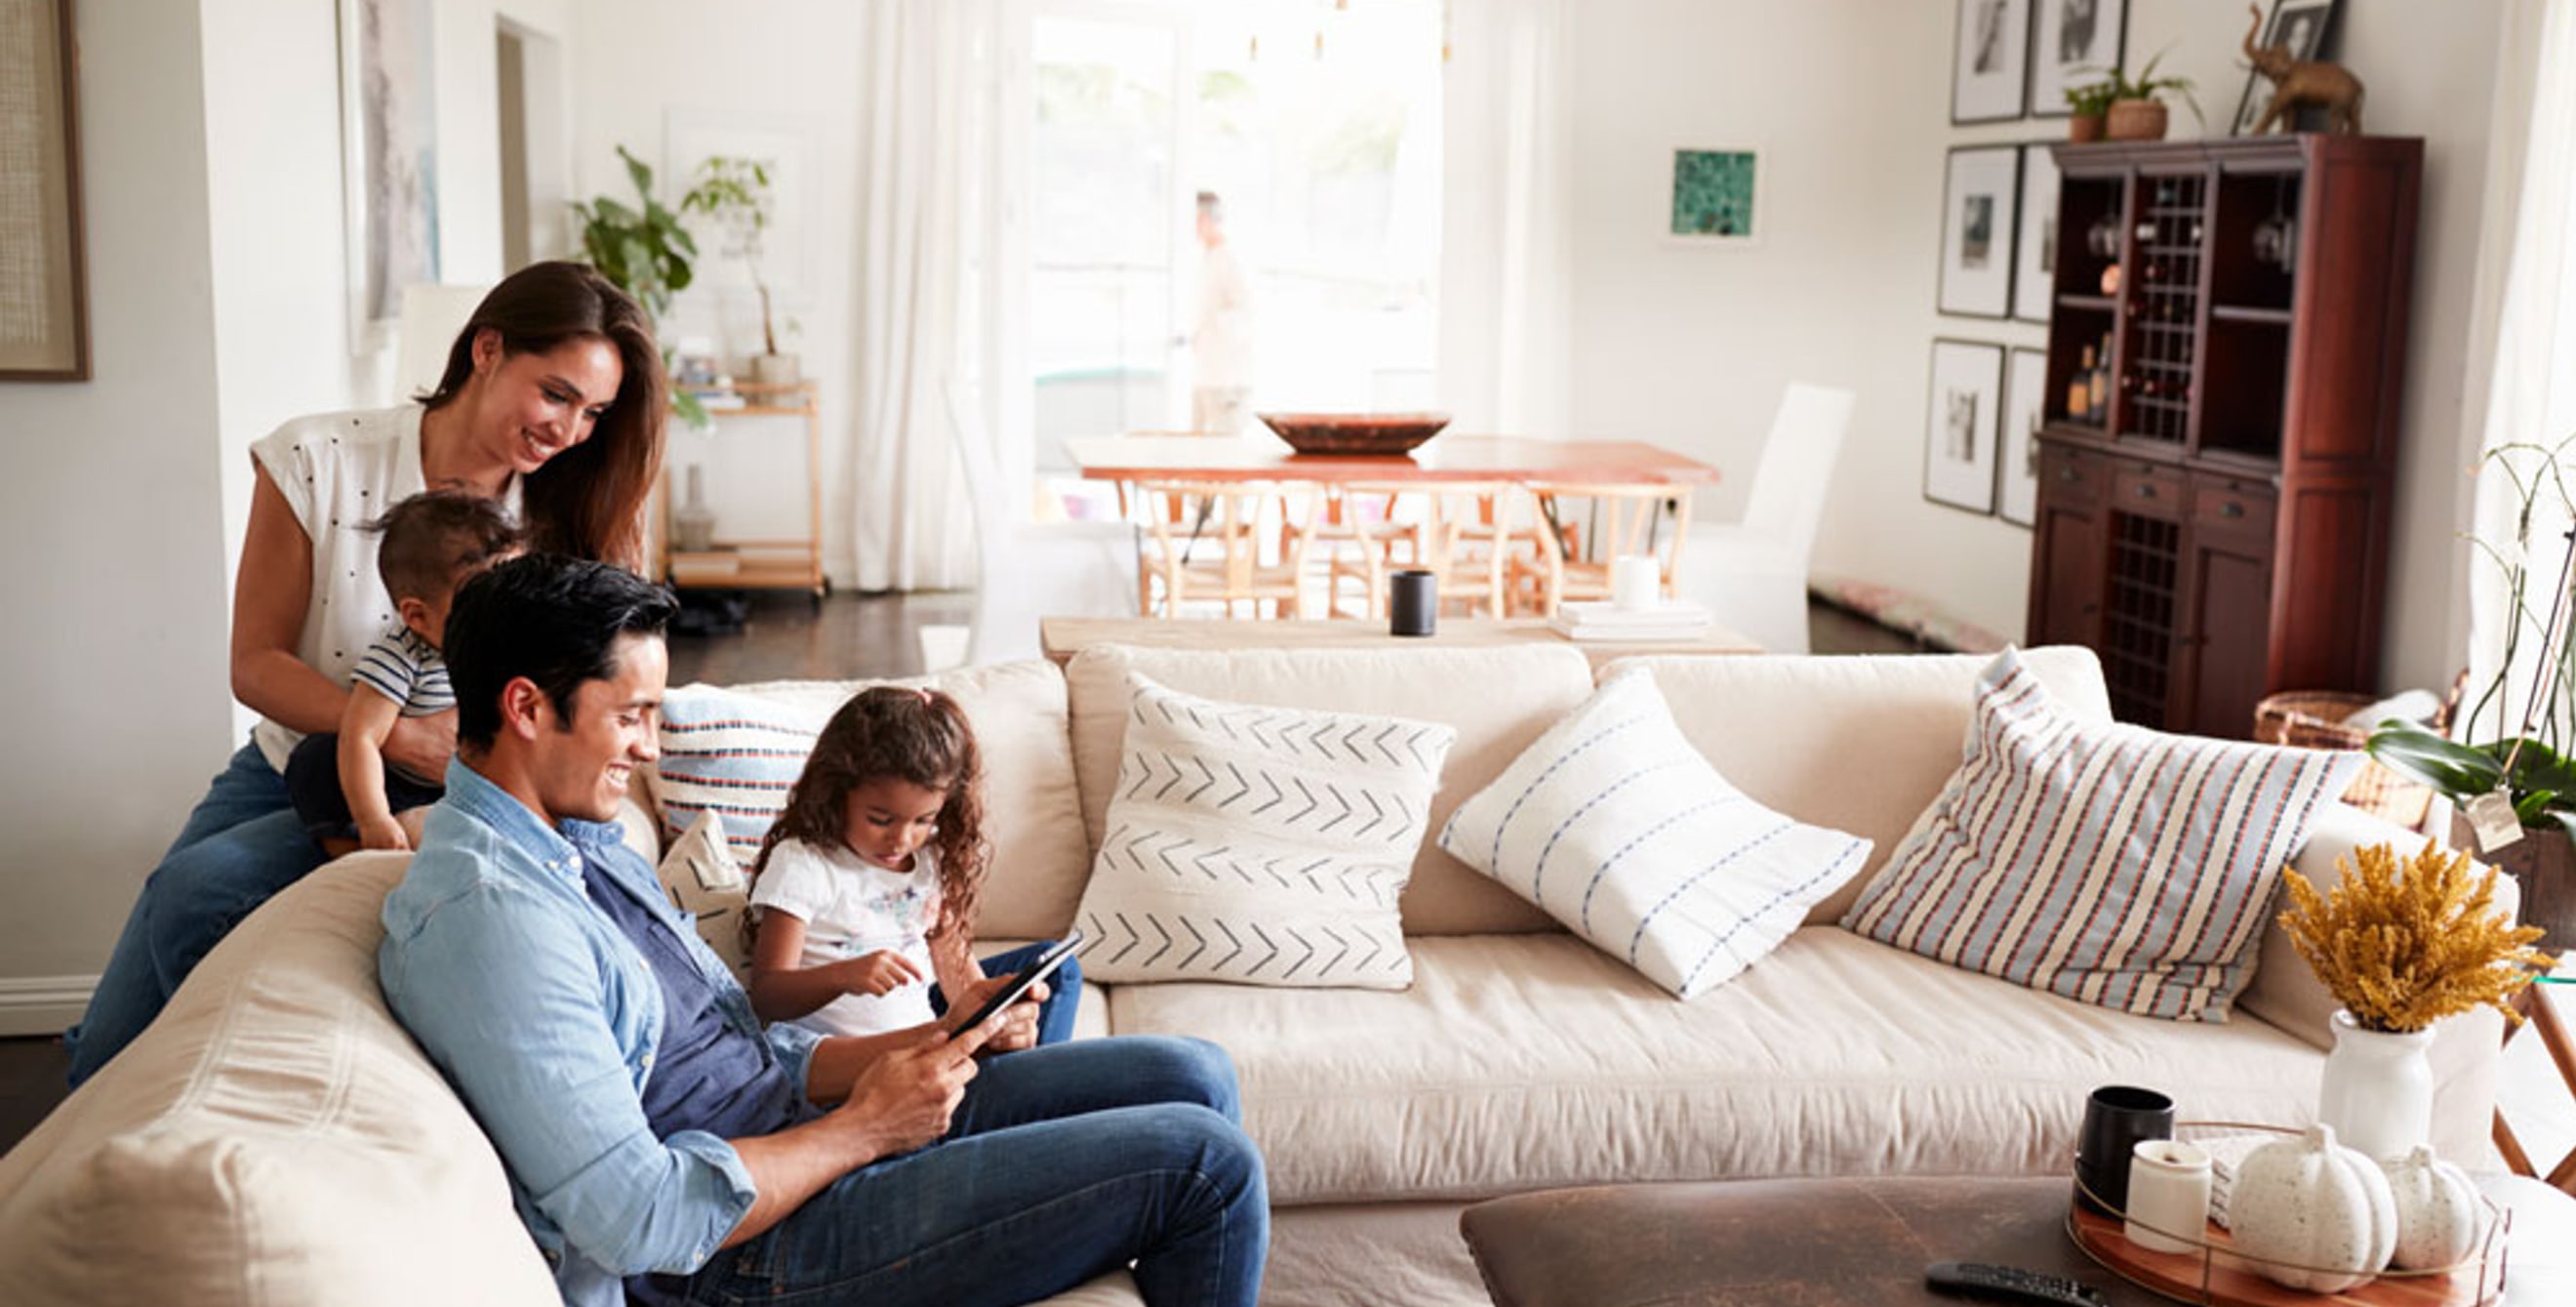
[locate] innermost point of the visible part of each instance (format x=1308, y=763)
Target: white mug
x=1636, y=581
x=2168, y=1196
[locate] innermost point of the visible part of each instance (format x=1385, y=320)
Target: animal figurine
x=2302, y=83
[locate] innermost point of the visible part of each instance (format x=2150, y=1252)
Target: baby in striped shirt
x=342, y=785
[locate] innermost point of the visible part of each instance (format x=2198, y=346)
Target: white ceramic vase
x=2378, y=1089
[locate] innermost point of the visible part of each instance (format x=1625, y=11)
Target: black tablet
x=1029, y=975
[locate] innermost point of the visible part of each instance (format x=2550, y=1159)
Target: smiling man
x=661, y=1146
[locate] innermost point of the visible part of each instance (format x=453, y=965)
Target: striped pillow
x=1617, y=827
x=732, y=754
x=2110, y=864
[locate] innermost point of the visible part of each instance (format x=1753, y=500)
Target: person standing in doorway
x=1222, y=342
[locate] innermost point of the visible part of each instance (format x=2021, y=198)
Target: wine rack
x=2217, y=528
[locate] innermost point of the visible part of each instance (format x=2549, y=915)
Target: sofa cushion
x=274, y=1138
x=2111, y=864
x=1615, y=826
x=1527, y=1061
x=1498, y=700
x=1854, y=744
x=704, y=880
x=1259, y=845
x=737, y=750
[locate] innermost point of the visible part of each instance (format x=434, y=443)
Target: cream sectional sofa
x=276, y=1139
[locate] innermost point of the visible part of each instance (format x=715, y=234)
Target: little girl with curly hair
x=865, y=888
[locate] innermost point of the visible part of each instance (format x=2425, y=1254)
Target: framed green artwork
x=1715, y=197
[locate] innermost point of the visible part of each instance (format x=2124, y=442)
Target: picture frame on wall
x=2035, y=250
x=1716, y=196
x=2307, y=26
x=1990, y=58
x=1960, y=424
x=2074, y=43
x=388, y=158
x=1980, y=204
x=44, y=283
x=2017, y=449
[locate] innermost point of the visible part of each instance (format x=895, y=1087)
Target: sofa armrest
x=2285, y=993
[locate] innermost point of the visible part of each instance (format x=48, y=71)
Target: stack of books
x=1670, y=620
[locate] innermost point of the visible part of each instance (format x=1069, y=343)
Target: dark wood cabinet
x=2227, y=347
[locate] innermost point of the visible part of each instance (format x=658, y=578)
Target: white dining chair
x=1025, y=570
x=1753, y=574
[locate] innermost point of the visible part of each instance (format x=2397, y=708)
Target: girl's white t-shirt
x=338, y=472
x=851, y=908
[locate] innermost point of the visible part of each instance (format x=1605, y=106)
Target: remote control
x=2011, y=1283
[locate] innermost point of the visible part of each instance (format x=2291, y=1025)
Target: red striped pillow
x=2110, y=864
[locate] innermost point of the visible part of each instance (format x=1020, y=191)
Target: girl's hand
x=881, y=972
x=422, y=745
x=1014, y=1027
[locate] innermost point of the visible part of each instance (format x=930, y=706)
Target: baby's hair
x=435, y=539
x=913, y=735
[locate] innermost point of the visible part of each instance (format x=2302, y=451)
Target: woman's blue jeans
x=241, y=845
x=1064, y=1162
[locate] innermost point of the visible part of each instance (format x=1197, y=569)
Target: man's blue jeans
x=240, y=846
x=1064, y=1162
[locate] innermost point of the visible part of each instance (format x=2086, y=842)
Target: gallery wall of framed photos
x=2012, y=61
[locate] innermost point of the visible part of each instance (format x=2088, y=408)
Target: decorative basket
x=2313, y=719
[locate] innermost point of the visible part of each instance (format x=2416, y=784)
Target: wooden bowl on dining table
x=1383, y=435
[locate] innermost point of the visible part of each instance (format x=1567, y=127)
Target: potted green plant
x=2135, y=113
x=734, y=193
x=2524, y=761
x=645, y=250
x=2088, y=104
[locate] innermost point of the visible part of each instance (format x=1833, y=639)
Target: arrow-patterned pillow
x=1259, y=845
x=1616, y=826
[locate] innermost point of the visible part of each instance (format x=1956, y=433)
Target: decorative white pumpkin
x=2315, y=1214
x=2439, y=1217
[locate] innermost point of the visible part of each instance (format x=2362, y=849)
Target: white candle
x=2168, y=1196
x=1636, y=581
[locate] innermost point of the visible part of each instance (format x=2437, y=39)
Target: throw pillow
x=1259, y=845
x=704, y=881
x=2108, y=863
x=1617, y=827
x=733, y=755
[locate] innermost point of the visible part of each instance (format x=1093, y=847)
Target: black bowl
x=1367, y=434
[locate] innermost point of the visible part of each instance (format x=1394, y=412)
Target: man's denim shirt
x=545, y=1018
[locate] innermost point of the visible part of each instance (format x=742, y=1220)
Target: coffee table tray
x=2217, y=1275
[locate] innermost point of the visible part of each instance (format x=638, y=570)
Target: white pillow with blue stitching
x=1614, y=825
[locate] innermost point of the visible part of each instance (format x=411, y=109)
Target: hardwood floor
x=785, y=637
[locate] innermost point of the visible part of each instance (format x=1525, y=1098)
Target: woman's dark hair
x=552, y=619
x=587, y=501
x=917, y=736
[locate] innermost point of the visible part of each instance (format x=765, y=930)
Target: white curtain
x=929, y=228
x=1506, y=246
x=2528, y=300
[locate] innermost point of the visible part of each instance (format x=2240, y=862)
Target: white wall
x=791, y=64
x=112, y=517
x=1850, y=101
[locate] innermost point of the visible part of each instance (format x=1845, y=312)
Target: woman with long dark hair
x=553, y=402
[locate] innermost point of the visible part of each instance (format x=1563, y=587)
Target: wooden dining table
x=1448, y=457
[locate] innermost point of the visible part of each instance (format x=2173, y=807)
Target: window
x=1318, y=126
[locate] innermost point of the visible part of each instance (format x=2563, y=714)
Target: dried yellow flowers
x=2404, y=947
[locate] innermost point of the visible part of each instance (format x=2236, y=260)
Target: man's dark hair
x=436, y=536
x=552, y=619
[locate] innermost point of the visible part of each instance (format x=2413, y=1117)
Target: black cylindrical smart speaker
x=1413, y=605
